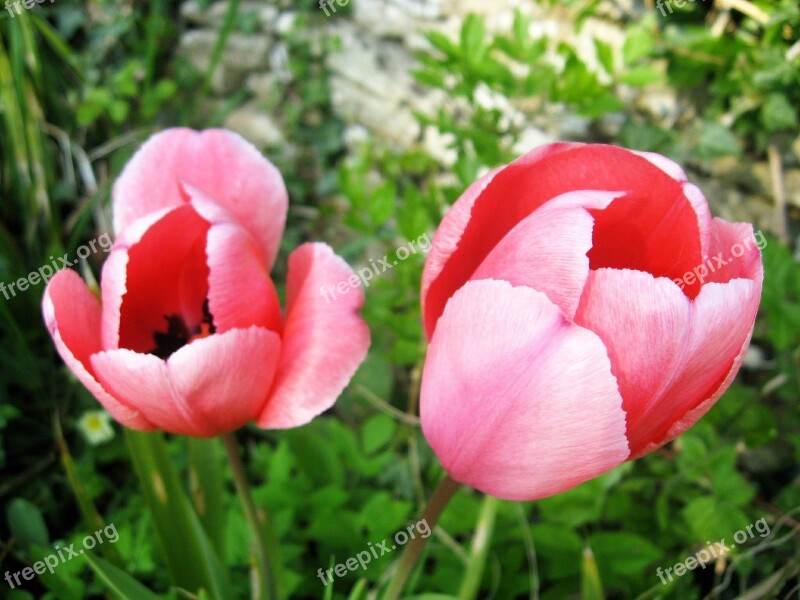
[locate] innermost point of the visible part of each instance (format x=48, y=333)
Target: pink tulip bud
x=583, y=308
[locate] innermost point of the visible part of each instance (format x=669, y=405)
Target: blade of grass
x=90, y=514
x=224, y=33
x=481, y=542
x=207, y=488
x=191, y=561
x=118, y=581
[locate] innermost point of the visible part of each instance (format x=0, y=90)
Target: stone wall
x=374, y=92
x=372, y=87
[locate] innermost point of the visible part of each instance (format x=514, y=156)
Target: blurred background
x=379, y=113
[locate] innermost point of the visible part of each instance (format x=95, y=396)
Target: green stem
x=481, y=542
x=264, y=539
x=436, y=505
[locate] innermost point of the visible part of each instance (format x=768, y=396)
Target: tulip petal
x=670, y=167
x=451, y=229
x=209, y=387
x=516, y=400
x=72, y=315
x=324, y=340
x=547, y=250
x=226, y=378
x=692, y=192
x=722, y=322
x=695, y=414
x=240, y=290
x=653, y=229
x=163, y=274
x=448, y=234
x=700, y=206
x=142, y=380
x=218, y=162
x=736, y=246
x=668, y=353
x=112, y=281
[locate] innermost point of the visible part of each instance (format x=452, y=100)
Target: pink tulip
x=583, y=309
x=189, y=337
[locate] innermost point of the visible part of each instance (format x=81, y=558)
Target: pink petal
x=324, y=339
x=142, y=380
x=72, y=315
x=448, y=234
x=692, y=192
x=210, y=386
x=696, y=413
x=454, y=224
x=668, y=353
x=112, y=281
x=734, y=244
x=241, y=292
x=547, y=250
x=226, y=378
x=218, y=162
x=654, y=228
x=517, y=401
x=162, y=274
x=700, y=206
x=669, y=166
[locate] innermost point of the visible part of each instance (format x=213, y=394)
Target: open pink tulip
x=583, y=308
x=189, y=337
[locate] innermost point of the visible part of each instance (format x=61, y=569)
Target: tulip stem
x=436, y=505
x=262, y=528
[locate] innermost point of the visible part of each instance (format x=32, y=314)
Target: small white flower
x=95, y=425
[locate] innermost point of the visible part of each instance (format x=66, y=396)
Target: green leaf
x=26, y=523
x=311, y=449
x=473, y=45
x=118, y=581
x=638, y=44
x=605, y=55
x=359, y=591
x=641, y=76
x=778, y=114
x=713, y=519
x=378, y=431
x=442, y=43
x=582, y=504
x=382, y=202
x=479, y=552
x=623, y=553
x=191, y=560
x=559, y=550
x=207, y=488
x=715, y=140
x=729, y=484
x=591, y=586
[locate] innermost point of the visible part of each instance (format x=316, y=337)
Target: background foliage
x=82, y=83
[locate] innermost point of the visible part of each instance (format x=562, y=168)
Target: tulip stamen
x=179, y=335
